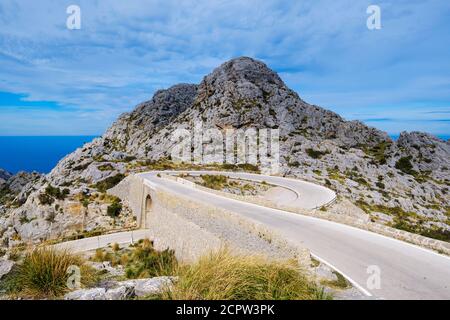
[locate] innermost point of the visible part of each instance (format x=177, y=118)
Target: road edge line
x=353, y=282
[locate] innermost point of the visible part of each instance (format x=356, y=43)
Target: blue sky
x=55, y=81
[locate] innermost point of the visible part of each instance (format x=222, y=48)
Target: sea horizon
x=42, y=153
x=37, y=153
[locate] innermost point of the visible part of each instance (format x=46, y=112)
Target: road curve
x=308, y=195
x=406, y=271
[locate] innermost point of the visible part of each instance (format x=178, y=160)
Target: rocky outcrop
x=4, y=176
x=5, y=267
x=404, y=183
x=124, y=290
x=428, y=152
x=16, y=188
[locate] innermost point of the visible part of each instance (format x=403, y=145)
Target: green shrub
x=45, y=199
x=85, y=202
x=24, y=219
x=109, y=183
x=56, y=192
x=380, y=185
x=361, y=181
x=294, y=164
x=105, y=167
x=404, y=164
x=222, y=276
x=115, y=208
x=51, y=193
x=315, y=154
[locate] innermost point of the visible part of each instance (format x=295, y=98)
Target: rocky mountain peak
x=243, y=69
x=361, y=163
x=240, y=80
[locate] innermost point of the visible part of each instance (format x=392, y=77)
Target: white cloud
x=128, y=49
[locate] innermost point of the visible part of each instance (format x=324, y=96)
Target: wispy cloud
x=126, y=50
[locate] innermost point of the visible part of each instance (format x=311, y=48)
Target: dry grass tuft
x=43, y=273
x=223, y=276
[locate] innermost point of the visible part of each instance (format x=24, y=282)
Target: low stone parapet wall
x=194, y=228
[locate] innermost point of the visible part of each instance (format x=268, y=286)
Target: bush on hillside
x=109, y=183
x=404, y=164
x=115, y=208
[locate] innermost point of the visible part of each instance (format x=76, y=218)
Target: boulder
x=123, y=292
x=5, y=267
x=146, y=287
x=87, y=294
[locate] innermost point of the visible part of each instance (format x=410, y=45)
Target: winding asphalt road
x=405, y=271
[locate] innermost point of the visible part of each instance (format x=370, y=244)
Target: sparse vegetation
x=417, y=227
x=105, y=167
x=51, y=193
x=167, y=164
x=378, y=152
x=407, y=221
x=335, y=174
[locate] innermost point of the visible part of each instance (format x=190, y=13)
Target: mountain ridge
x=403, y=183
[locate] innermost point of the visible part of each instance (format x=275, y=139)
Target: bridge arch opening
x=148, y=210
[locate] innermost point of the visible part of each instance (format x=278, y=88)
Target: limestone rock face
x=431, y=152
x=362, y=164
x=19, y=181
x=16, y=188
x=5, y=267
x=4, y=176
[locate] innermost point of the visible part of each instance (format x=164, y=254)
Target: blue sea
x=444, y=137
x=39, y=154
